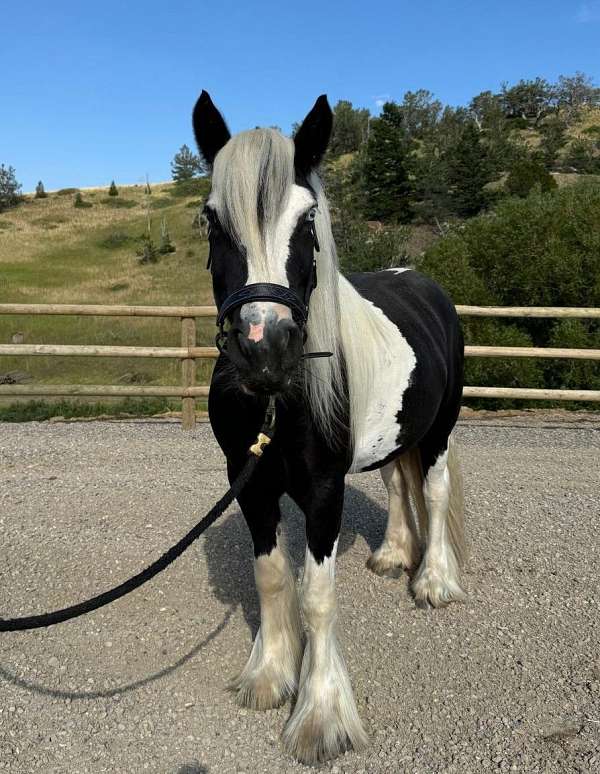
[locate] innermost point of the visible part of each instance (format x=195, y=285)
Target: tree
x=529, y=100
x=385, y=181
x=113, y=190
x=553, y=132
x=526, y=174
x=10, y=189
x=575, y=92
x=80, y=202
x=186, y=165
x=419, y=113
x=349, y=129
x=40, y=191
x=469, y=171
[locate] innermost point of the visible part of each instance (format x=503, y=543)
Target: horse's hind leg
x=437, y=580
x=400, y=546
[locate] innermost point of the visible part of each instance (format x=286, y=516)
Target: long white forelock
x=253, y=172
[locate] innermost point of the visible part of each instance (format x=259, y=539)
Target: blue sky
x=95, y=91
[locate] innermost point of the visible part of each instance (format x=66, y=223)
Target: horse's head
x=261, y=213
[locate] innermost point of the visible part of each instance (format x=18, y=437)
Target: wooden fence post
x=188, y=373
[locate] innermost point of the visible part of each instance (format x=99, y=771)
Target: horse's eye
x=311, y=214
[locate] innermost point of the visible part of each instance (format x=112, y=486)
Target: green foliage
x=186, y=165
x=350, y=127
x=584, y=156
x=10, y=188
x=499, y=372
x=80, y=202
x=147, y=252
x=165, y=246
x=364, y=247
x=113, y=190
x=468, y=172
x=198, y=186
x=574, y=374
x=543, y=250
x=67, y=191
x=553, y=139
x=38, y=410
x=114, y=240
x=40, y=191
x=384, y=173
x=526, y=174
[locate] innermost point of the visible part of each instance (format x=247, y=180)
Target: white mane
x=252, y=178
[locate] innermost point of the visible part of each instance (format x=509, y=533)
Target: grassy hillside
x=52, y=252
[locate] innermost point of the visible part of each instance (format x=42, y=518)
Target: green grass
x=55, y=253
x=39, y=410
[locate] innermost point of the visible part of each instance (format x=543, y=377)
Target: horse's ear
x=313, y=136
x=210, y=129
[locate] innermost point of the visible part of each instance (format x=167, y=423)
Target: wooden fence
x=189, y=352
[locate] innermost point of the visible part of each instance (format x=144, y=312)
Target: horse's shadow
x=229, y=554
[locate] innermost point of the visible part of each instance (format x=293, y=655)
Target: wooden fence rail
x=189, y=353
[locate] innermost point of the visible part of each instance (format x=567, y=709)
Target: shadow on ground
x=229, y=555
x=228, y=550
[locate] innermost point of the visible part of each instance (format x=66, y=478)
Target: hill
x=53, y=252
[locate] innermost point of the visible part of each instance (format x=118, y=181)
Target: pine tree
x=79, y=201
x=40, y=191
x=113, y=190
x=10, y=189
x=469, y=171
x=186, y=165
x=385, y=178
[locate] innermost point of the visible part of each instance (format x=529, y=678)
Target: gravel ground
x=508, y=681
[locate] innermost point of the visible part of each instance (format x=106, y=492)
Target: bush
x=40, y=191
x=67, y=191
x=364, y=247
x=574, y=374
x=115, y=240
x=525, y=175
x=79, y=201
x=147, y=252
x=119, y=203
x=197, y=186
x=113, y=190
x=165, y=246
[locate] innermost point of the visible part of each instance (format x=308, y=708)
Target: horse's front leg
x=271, y=674
x=325, y=720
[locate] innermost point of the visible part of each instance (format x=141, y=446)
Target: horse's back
x=427, y=320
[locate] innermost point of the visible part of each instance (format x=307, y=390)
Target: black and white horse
x=387, y=398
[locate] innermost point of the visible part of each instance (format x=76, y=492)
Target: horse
x=366, y=372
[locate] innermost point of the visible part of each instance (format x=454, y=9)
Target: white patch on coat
x=325, y=717
x=382, y=363
x=399, y=269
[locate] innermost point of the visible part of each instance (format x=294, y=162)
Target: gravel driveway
x=509, y=681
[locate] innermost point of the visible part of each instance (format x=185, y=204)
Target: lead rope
x=74, y=611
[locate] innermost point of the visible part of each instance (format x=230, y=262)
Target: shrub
x=197, y=186
x=113, y=190
x=67, y=191
x=79, y=201
x=147, y=252
x=40, y=192
x=115, y=240
x=526, y=174
x=119, y=203
x=364, y=247
x=165, y=246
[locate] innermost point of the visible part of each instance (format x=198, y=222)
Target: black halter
x=270, y=291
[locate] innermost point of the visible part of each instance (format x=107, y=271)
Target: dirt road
x=509, y=681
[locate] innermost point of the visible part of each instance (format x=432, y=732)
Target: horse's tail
x=412, y=469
